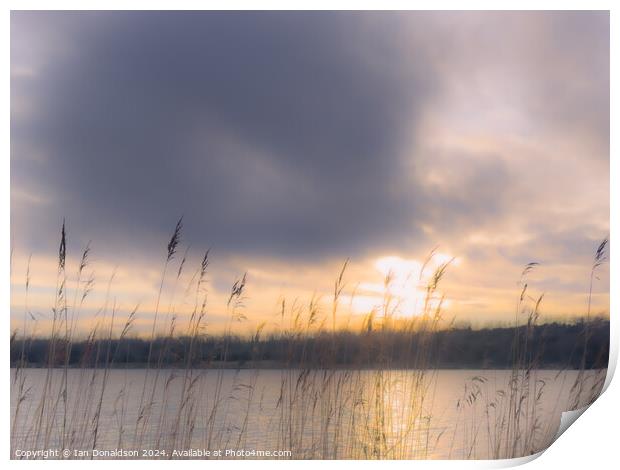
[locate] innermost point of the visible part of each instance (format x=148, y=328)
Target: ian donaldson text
x=45, y=454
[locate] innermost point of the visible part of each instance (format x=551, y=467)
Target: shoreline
x=275, y=366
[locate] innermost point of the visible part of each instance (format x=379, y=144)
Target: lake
x=344, y=414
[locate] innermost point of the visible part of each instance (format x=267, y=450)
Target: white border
x=590, y=444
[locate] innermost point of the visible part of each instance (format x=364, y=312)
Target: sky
x=293, y=141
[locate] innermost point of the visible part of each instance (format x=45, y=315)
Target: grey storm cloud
x=273, y=133
x=276, y=133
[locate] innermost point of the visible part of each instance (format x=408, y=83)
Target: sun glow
x=401, y=291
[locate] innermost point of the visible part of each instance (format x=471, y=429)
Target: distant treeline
x=551, y=345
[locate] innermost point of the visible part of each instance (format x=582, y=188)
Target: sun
x=401, y=280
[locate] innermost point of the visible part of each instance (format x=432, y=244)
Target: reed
x=372, y=398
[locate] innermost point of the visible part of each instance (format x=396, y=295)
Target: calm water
x=318, y=414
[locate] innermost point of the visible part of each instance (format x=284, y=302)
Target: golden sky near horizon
x=293, y=141
x=476, y=294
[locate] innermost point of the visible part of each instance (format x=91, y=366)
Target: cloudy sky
x=292, y=141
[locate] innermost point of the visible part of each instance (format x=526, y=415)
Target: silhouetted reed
x=361, y=391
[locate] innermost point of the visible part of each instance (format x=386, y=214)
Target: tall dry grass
x=513, y=415
x=322, y=410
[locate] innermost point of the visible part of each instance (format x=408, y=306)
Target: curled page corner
x=570, y=416
x=567, y=419
x=518, y=461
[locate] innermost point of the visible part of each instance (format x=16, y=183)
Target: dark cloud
x=271, y=132
x=280, y=134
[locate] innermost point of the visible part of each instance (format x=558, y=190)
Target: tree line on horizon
x=551, y=345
